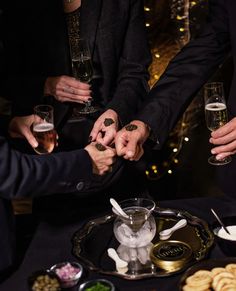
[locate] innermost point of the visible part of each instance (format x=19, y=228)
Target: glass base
x=79, y=113
x=89, y=110
x=76, y=116
x=213, y=161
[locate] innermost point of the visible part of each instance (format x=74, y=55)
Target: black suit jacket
x=36, y=47
x=190, y=69
x=32, y=176
x=187, y=73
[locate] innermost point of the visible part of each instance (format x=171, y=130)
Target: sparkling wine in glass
x=215, y=113
x=82, y=69
x=43, y=129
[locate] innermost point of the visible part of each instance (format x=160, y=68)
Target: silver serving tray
x=90, y=244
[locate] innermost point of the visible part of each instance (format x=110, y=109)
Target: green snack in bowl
x=98, y=287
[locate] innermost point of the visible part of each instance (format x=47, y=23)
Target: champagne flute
x=215, y=113
x=43, y=129
x=82, y=69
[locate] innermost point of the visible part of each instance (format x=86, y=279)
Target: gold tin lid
x=171, y=255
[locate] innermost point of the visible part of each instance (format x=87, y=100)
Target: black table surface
x=52, y=244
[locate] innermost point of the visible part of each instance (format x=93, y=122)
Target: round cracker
x=195, y=288
x=224, y=281
x=199, y=279
x=229, y=287
x=231, y=268
x=203, y=272
x=220, y=276
x=217, y=270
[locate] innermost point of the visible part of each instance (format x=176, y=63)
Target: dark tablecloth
x=52, y=244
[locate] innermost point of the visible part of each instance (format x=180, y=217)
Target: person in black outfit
x=36, y=41
x=183, y=78
x=24, y=175
x=37, y=47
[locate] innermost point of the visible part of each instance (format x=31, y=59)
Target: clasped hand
x=128, y=141
x=102, y=156
x=106, y=140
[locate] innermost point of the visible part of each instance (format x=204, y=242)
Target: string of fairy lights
x=165, y=43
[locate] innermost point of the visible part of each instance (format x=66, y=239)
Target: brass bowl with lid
x=171, y=255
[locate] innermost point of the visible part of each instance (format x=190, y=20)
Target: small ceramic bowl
x=68, y=273
x=44, y=279
x=227, y=243
x=97, y=284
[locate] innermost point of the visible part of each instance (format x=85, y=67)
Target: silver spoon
x=166, y=233
x=118, y=209
x=220, y=221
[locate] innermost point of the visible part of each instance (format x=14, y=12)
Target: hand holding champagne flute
x=43, y=129
x=82, y=68
x=215, y=113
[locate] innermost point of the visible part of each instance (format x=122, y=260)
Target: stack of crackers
x=218, y=279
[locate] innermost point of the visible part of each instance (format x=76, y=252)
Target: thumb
x=120, y=143
x=108, y=138
x=131, y=148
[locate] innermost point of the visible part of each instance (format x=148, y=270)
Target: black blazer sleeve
x=32, y=175
x=186, y=73
x=24, y=175
x=132, y=81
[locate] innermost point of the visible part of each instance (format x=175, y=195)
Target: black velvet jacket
x=35, y=41
x=190, y=69
x=32, y=176
x=188, y=72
